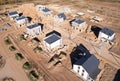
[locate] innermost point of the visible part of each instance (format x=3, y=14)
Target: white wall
x=22, y=21
x=39, y=7
x=57, y=19
x=12, y=16
x=80, y=72
x=82, y=26
x=102, y=35
x=34, y=31
x=55, y=44
x=49, y=13
x=78, y=25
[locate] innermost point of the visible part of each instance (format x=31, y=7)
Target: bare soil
x=109, y=11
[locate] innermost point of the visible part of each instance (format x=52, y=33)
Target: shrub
x=12, y=48
x=37, y=50
x=22, y=37
x=8, y=79
x=27, y=66
x=7, y=42
x=33, y=76
x=19, y=56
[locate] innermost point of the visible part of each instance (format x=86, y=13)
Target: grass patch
x=12, y=48
x=19, y=56
x=27, y=66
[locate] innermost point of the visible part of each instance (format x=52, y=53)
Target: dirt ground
x=108, y=70
x=12, y=68
x=62, y=72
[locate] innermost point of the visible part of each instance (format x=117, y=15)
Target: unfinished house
x=79, y=25
x=52, y=42
x=106, y=35
x=13, y=15
x=85, y=65
x=60, y=17
x=21, y=21
x=34, y=30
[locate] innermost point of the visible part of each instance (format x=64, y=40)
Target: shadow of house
x=117, y=76
x=53, y=32
x=42, y=25
x=53, y=57
x=36, y=39
x=58, y=62
x=29, y=19
x=5, y=13
x=70, y=22
x=20, y=14
x=63, y=53
x=96, y=30
x=79, y=52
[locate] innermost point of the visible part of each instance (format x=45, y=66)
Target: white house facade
x=86, y=65
x=98, y=19
x=34, y=30
x=39, y=7
x=80, y=71
x=79, y=25
x=13, y=15
x=106, y=34
x=60, y=17
x=21, y=20
x=45, y=11
x=52, y=41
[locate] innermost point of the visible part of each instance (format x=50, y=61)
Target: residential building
x=13, y=15
x=97, y=18
x=21, y=21
x=45, y=11
x=39, y=7
x=79, y=25
x=60, y=17
x=34, y=30
x=106, y=35
x=85, y=65
x=52, y=41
